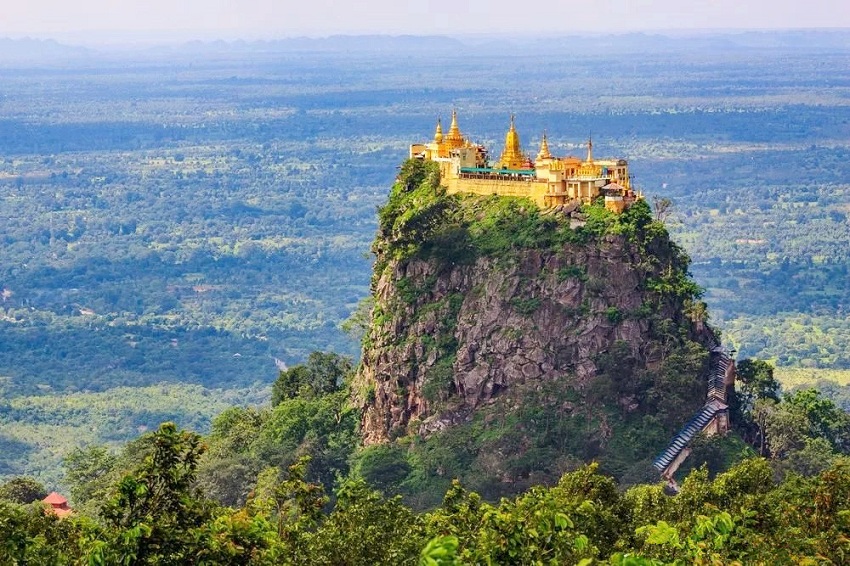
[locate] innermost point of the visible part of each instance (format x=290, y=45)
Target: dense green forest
x=170, y=218
x=284, y=484
x=156, y=517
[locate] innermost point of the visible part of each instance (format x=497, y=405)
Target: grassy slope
x=800, y=377
x=37, y=431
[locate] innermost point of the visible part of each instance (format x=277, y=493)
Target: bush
x=384, y=466
x=439, y=380
x=613, y=315
x=22, y=490
x=525, y=305
x=324, y=372
x=572, y=272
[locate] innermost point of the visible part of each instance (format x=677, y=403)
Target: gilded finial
x=454, y=137
x=438, y=135
x=544, y=152
x=453, y=129
x=512, y=156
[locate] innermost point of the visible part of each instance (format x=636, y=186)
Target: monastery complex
x=549, y=181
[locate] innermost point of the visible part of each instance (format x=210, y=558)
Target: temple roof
x=614, y=187
x=512, y=156
x=438, y=135
x=544, y=152
x=55, y=499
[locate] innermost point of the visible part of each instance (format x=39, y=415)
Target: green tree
x=157, y=506
x=704, y=545
x=357, y=324
x=826, y=420
x=756, y=381
x=324, y=428
x=323, y=373
x=383, y=466
x=28, y=535
x=440, y=551
x=88, y=472
x=294, y=504
x=229, y=466
x=812, y=457
x=366, y=529
x=22, y=490
x=755, y=384
x=532, y=529
x=676, y=393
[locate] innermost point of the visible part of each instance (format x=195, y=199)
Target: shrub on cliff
x=531, y=339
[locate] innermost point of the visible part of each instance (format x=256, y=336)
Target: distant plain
x=176, y=225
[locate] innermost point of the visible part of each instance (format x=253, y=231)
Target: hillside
x=228, y=210
x=508, y=344
x=613, y=342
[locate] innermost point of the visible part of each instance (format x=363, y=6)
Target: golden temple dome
x=438, y=135
x=544, y=152
x=512, y=156
x=454, y=138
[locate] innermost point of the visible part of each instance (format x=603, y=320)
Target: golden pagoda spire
x=544, y=152
x=512, y=156
x=438, y=135
x=454, y=131
x=454, y=139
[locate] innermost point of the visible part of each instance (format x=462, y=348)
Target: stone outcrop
x=446, y=338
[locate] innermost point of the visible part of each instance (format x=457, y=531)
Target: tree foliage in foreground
x=155, y=514
x=802, y=431
x=22, y=490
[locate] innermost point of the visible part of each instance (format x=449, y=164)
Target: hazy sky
x=230, y=19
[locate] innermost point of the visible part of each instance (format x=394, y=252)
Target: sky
x=141, y=20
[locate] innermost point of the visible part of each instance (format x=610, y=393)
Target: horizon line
x=170, y=37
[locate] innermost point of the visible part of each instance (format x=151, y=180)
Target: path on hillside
x=713, y=416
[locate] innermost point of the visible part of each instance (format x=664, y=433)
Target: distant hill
x=28, y=50
x=797, y=41
x=590, y=43
x=46, y=50
x=339, y=44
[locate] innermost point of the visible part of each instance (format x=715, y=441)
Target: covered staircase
x=684, y=437
x=713, y=416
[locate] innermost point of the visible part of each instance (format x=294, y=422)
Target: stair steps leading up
x=684, y=437
x=717, y=377
x=714, y=404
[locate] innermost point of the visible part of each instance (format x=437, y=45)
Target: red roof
x=58, y=505
x=55, y=499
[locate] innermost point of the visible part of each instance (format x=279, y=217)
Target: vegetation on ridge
x=530, y=433
x=421, y=220
x=257, y=491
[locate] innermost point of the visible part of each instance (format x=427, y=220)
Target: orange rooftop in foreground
x=58, y=505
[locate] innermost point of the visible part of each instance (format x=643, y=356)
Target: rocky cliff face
x=449, y=336
x=470, y=331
